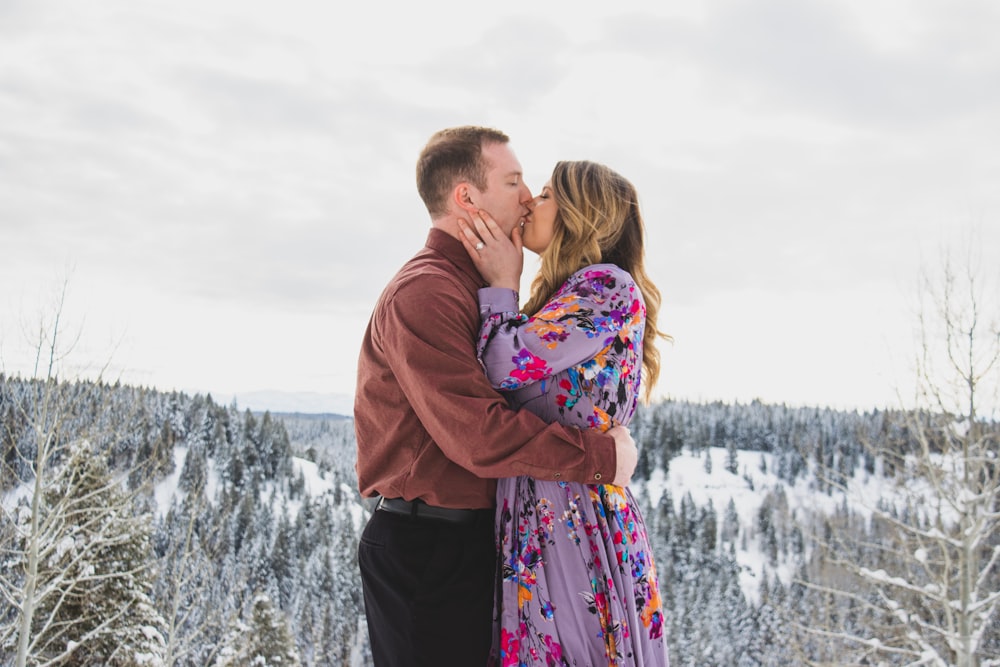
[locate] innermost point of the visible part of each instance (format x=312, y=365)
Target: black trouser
x=429, y=587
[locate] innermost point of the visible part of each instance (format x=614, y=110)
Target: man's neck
x=447, y=224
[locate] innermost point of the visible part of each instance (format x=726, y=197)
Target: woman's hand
x=499, y=259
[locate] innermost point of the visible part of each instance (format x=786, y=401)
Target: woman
x=578, y=584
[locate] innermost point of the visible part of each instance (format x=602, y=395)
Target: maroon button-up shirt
x=428, y=423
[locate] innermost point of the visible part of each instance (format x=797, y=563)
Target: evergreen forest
x=142, y=527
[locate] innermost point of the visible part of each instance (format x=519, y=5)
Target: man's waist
x=418, y=509
x=440, y=485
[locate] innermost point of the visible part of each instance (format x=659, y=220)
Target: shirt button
x=597, y=476
x=558, y=475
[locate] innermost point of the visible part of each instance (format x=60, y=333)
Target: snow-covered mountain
x=754, y=480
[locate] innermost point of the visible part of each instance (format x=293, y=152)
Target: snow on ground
x=687, y=474
x=9, y=500
x=166, y=490
x=169, y=487
x=318, y=485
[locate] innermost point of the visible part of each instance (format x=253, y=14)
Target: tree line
x=241, y=562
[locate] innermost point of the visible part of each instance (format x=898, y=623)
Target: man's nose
x=526, y=198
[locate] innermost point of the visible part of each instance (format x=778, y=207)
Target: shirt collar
x=454, y=252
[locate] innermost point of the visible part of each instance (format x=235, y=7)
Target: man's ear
x=462, y=195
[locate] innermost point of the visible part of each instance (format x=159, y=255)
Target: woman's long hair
x=598, y=222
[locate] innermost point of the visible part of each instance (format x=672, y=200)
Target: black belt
x=420, y=509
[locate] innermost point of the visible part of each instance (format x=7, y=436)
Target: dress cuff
x=493, y=300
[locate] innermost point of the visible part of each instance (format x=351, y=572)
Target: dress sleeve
x=583, y=318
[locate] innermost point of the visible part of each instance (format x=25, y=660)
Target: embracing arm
x=586, y=316
x=428, y=340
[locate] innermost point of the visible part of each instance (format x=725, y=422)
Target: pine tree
x=264, y=641
x=730, y=524
x=732, y=457
x=91, y=588
x=187, y=577
x=283, y=559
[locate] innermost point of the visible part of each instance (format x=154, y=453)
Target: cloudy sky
x=225, y=186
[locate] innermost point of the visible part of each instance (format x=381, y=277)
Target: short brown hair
x=451, y=156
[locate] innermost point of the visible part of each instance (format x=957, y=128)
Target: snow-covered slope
x=754, y=480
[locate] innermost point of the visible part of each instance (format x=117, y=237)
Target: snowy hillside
x=244, y=529
x=317, y=484
x=747, y=488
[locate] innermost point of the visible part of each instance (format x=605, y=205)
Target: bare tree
x=918, y=569
x=75, y=558
x=186, y=579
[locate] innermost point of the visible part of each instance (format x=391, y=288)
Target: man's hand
x=628, y=455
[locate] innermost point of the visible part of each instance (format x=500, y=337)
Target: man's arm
x=428, y=336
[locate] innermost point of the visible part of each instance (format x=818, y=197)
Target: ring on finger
x=480, y=245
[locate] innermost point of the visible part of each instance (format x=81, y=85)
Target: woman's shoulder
x=601, y=277
x=597, y=282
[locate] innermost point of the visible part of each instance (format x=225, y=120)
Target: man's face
x=506, y=197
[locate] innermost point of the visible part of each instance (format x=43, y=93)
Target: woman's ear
x=462, y=195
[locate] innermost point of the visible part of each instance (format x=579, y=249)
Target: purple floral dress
x=578, y=585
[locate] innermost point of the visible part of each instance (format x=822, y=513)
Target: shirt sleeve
x=430, y=344
x=583, y=318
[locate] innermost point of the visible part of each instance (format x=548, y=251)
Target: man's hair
x=451, y=156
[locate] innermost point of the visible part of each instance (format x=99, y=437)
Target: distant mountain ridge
x=289, y=402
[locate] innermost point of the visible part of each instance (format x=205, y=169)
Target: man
x=432, y=434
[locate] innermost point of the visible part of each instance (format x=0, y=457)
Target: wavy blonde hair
x=598, y=222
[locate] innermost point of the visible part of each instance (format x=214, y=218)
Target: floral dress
x=577, y=585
